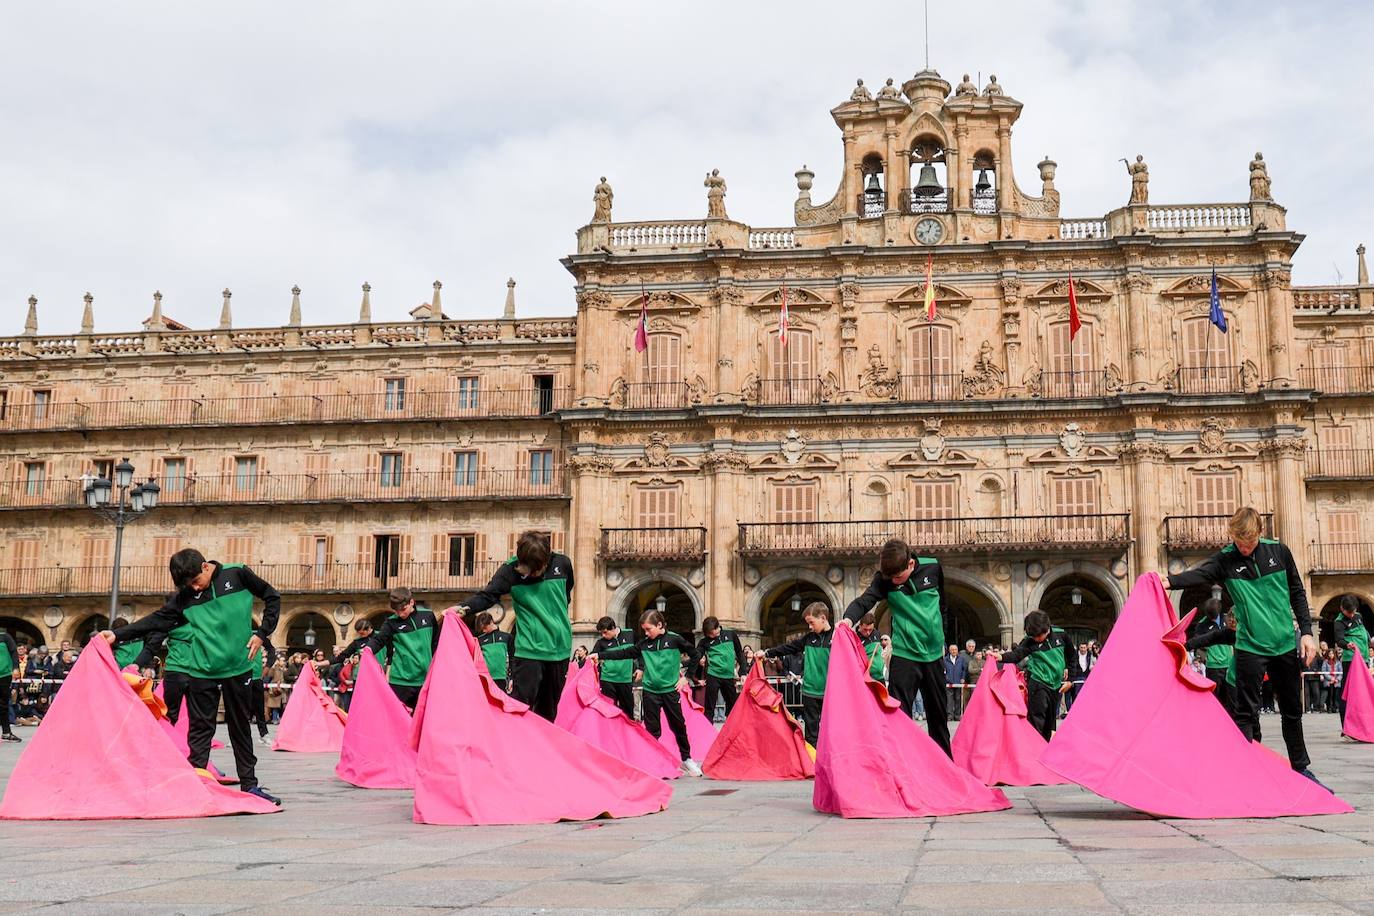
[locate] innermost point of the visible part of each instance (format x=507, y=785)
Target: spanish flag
x=930, y=292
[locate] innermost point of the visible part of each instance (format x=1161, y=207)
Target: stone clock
x=930, y=231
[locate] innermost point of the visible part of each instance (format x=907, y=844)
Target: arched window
x=929, y=372
x=873, y=196
x=983, y=186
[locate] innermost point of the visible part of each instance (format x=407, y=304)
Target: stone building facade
x=719, y=469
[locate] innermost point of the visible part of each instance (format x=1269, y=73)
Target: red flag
x=642, y=326
x=1074, y=322
x=782, y=319
x=930, y=292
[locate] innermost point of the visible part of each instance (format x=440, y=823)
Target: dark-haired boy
x=814, y=649
x=408, y=638
x=1353, y=640
x=722, y=655
x=1051, y=663
x=872, y=643
x=617, y=675
x=540, y=584
x=210, y=616
x=497, y=648
x=914, y=589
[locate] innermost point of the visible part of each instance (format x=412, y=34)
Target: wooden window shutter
x=407, y=553
x=227, y=466
x=556, y=542
x=510, y=543
x=365, y=548
x=438, y=549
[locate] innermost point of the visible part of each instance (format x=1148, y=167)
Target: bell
x=983, y=185
x=874, y=189
x=928, y=185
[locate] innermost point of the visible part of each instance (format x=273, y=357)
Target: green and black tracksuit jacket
x=409, y=643
x=139, y=652
x=1220, y=652
x=1350, y=630
x=497, y=649
x=873, y=645
x=723, y=655
x=1046, y=663
x=208, y=631
x=916, y=608
x=353, y=648
x=814, y=648
x=620, y=671
x=1266, y=595
x=662, y=660
x=543, y=630
x=9, y=661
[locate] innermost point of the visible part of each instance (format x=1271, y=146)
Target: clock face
x=929, y=231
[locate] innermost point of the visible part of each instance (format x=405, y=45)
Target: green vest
x=621, y=671
x=411, y=652
x=918, y=630
x=125, y=653
x=815, y=669
x=1048, y=665
x=720, y=656
x=1360, y=637
x=495, y=653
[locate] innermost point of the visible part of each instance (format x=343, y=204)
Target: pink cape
x=486, y=759
x=100, y=754
x=1145, y=732
x=1359, y=701
x=874, y=761
x=994, y=741
x=759, y=740
x=595, y=718
x=376, y=751
x=311, y=722
x=701, y=733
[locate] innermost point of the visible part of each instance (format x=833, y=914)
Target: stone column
x=1146, y=518
x=853, y=176
x=722, y=529
x=894, y=186
x=586, y=488
x=1278, y=309
x=1137, y=286
x=1290, y=516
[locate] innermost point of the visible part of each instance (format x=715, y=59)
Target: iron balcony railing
x=460, y=404
x=920, y=203
x=872, y=205
x=790, y=391
x=1341, y=559
x=657, y=396
x=948, y=386
x=1203, y=532
x=1340, y=464
x=1208, y=380
x=259, y=488
x=289, y=578
x=1338, y=379
x=950, y=535
x=687, y=544
x=1065, y=384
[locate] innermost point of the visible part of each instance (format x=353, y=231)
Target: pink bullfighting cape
x=874, y=761
x=311, y=723
x=994, y=740
x=595, y=718
x=484, y=758
x=100, y=753
x=376, y=752
x=1359, y=700
x=1144, y=727
x=701, y=733
x=759, y=740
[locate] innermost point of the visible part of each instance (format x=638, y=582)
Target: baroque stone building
x=719, y=469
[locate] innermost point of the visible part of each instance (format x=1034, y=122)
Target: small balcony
x=1340, y=464
x=288, y=578
x=1338, y=379
x=653, y=545
x=1208, y=380
x=784, y=391
x=1203, y=533
x=1342, y=559
x=654, y=396
x=947, y=386
x=921, y=203
x=965, y=536
x=1064, y=384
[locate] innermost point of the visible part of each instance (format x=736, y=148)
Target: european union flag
x=1216, y=315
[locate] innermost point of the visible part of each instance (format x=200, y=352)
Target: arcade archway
x=677, y=606
x=1081, y=606
x=308, y=631
x=780, y=611
x=24, y=633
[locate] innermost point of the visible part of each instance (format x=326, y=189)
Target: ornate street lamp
x=140, y=499
x=309, y=633
x=1076, y=596
x=661, y=603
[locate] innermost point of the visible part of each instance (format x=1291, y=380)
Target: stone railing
x=1325, y=298
x=660, y=234
x=1083, y=229
x=256, y=340
x=772, y=238
x=1199, y=216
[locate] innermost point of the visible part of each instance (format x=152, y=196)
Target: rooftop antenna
x=927, y=17
x=1337, y=269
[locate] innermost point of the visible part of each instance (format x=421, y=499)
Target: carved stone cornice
x=730, y=461
x=1284, y=447
x=594, y=298
x=1143, y=451
x=1275, y=278
x=589, y=464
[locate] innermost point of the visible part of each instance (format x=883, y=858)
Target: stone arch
x=1085, y=568
x=1089, y=573
x=976, y=583
x=631, y=586
x=327, y=633
x=23, y=630
x=753, y=604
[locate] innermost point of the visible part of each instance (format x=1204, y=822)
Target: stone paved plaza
x=758, y=848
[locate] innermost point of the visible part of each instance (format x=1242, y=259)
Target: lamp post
x=141, y=498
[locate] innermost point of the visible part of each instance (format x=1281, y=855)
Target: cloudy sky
x=257, y=145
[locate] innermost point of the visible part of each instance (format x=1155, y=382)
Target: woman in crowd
x=273, y=679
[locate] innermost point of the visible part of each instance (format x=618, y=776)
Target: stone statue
x=1259, y=178
x=992, y=88
x=715, y=196
x=890, y=91
x=966, y=87
x=860, y=93
x=983, y=364
x=602, y=197
x=1140, y=180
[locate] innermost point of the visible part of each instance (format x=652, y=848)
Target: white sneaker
x=265, y=741
x=691, y=767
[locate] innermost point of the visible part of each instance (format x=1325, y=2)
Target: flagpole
x=1072, y=335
